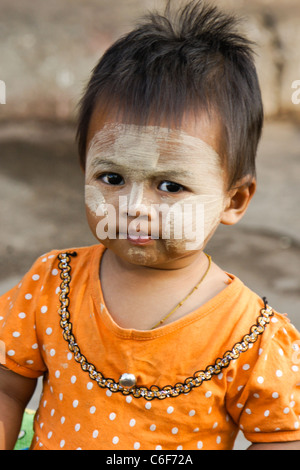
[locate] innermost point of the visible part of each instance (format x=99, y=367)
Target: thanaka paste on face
x=140, y=154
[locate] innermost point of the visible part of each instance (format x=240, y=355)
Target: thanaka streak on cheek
x=141, y=154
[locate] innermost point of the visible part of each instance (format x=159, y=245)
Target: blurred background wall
x=47, y=51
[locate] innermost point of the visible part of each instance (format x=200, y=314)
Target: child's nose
x=139, y=201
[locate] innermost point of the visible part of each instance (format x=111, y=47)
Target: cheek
x=192, y=221
x=94, y=198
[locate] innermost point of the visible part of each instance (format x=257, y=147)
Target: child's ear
x=238, y=200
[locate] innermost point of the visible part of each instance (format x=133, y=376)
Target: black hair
x=191, y=60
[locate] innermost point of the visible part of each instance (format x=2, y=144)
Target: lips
x=140, y=239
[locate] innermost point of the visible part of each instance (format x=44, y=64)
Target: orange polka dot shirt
x=258, y=393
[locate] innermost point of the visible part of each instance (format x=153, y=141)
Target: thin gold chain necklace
x=182, y=301
x=127, y=382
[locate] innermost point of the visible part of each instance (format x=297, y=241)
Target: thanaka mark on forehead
x=115, y=166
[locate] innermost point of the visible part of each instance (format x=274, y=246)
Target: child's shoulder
x=52, y=257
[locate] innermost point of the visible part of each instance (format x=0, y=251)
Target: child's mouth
x=140, y=239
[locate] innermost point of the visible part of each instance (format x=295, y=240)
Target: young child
x=142, y=341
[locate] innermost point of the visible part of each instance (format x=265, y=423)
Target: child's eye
x=112, y=178
x=170, y=187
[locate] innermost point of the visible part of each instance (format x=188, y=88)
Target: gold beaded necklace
x=127, y=382
x=182, y=301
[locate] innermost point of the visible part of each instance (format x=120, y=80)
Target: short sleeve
x=264, y=398
x=20, y=346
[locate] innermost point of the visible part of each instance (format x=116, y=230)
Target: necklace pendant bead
x=127, y=380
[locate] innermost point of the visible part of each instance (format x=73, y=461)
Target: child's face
x=154, y=196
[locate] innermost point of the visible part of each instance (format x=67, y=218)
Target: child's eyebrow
x=167, y=172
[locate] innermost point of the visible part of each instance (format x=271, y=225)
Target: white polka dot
x=52, y=412
x=61, y=396
x=218, y=440
x=246, y=366
x=152, y=427
x=248, y=411
x=260, y=380
x=280, y=352
x=108, y=393
x=62, y=419
x=158, y=448
x=54, y=272
x=239, y=405
x=196, y=430
x=179, y=448
x=174, y=430
x=62, y=443
x=137, y=445
x=11, y=352
x=215, y=425
x=73, y=379
x=52, y=352
x=275, y=395
x=35, y=346
x=92, y=410
x=199, y=445
x=75, y=403
x=295, y=368
x=170, y=409
x=35, y=277
x=129, y=399
x=69, y=356
x=260, y=351
x=279, y=373
x=115, y=440
x=49, y=435
x=132, y=422
x=274, y=320
x=44, y=309
x=28, y=296
x=192, y=413
x=95, y=433
x=48, y=331
x=296, y=425
x=112, y=416
x=29, y=362
x=256, y=429
x=77, y=427
x=89, y=386
x=256, y=395
x=22, y=315
x=16, y=334
x=57, y=374
x=286, y=410
x=208, y=394
x=148, y=406
x=267, y=413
